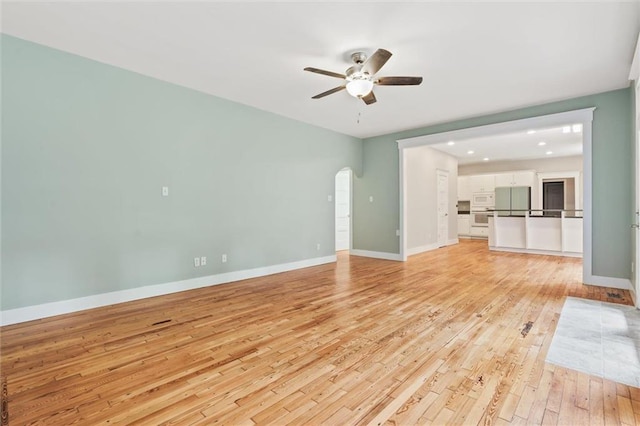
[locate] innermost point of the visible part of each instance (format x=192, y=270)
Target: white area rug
x=598, y=338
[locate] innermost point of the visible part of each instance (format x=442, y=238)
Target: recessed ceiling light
x=576, y=128
x=485, y=159
x=530, y=132
x=469, y=152
x=542, y=143
x=549, y=152
x=566, y=129
x=451, y=143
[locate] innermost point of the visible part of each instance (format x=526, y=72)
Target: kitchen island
x=558, y=233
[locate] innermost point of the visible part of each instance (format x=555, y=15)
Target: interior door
x=343, y=210
x=443, y=207
x=553, y=197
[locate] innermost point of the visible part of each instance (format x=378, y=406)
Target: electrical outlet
x=203, y=260
x=224, y=258
x=318, y=246
x=196, y=261
x=371, y=198
x=397, y=232
x=329, y=198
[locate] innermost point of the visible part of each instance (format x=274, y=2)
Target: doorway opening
x=581, y=118
x=343, y=209
x=552, y=198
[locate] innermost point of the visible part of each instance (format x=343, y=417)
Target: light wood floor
x=437, y=339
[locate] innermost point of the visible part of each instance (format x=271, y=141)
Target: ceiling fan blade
x=376, y=61
x=398, y=81
x=370, y=98
x=323, y=72
x=329, y=92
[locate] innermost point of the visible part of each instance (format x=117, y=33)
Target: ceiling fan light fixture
x=359, y=88
x=360, y=78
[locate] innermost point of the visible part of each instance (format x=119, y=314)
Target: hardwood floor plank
x=434, y=340
x=626, y=411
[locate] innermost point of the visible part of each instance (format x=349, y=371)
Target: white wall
x=544, y=165
x=421, y=164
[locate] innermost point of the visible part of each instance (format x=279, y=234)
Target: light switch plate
x=165, y=191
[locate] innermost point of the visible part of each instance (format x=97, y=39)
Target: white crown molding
x=634, y=72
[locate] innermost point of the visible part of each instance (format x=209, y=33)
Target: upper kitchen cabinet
x=523, y=178
x=482, y=183
x=464, y=190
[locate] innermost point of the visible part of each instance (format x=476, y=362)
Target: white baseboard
x=376, y=254
x=533, y=251
x=421, y=249
x=28, y=313
x=611, y=282
x=429, y=247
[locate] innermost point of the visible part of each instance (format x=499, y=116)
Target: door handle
x=635, y=225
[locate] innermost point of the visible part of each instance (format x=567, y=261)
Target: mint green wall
x=612, y=179
x=86, y=148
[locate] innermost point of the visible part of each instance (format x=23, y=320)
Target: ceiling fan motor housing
x=359, y=57
x=355, y=73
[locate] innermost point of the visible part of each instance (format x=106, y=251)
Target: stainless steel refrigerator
x=513, y=200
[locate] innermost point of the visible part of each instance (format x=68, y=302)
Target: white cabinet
x=524, y=178
x=482, y=183
x=479, y=231
x=464, y=222
x=464, y=191
x=504, y=179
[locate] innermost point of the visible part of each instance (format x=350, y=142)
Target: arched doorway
x=343, y=209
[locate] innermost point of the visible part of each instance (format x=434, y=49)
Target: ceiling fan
x=360, y=78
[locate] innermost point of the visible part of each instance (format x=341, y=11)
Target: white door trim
x=634, y=75
x=445, y=239
x=349, y=174
x=635, y=287
x=560, y=175
x=583, y=116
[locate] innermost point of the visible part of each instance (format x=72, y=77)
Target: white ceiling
x=534, y=143
x=476, y=57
